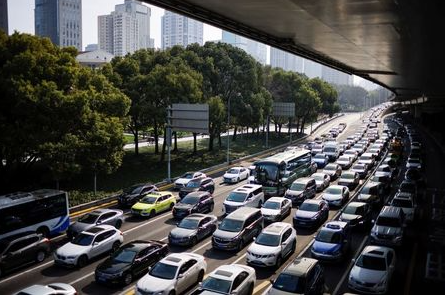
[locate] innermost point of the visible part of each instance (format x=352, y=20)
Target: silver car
x=113, y=217
x=192, y=229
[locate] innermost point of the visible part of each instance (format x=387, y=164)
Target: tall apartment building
x=285, y=60
x=126, y=29
x=253, y=48
x=60, y=20
x=180, y=30
x=4, y=15
x=336, y=77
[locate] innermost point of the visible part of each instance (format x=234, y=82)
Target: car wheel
x=40, y=256
x=240, y=245
x=172, y=292
x=82, y=261
x=279, y=261
x=293, y=247
x=152, y=213
x=118, y=224
x=251, y=289
x=193, y=241
x=115, y=246
x=200, y=276
x=211, y=208
x=260, y=204
x=238, y=179
x=171, y=206
x=128, y=278
x=44, y=231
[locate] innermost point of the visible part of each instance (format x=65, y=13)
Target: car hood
x=366, y=197
x=365, y=161
x=182, y=232
x=319, y=160
x=342, y=162
x=305, y=214
x=149, y=283
x=346, y=180
x=70, y=249
x=182, y=206
x=386, y=230
x=263, y=250
x=324, y=247
x=349, y=217
x=382, y=173
x=128, y=196
x=367, y=275
x=182, y=181
x=142, y=206
x=79, y=227
x=319, y=182
x=270, y=211
x=189, y=189
x=230, y=175
x=233, y=204
x=111, y=267
x=294, y=193
x=225, y=234
x=331, y=197
x=329, y=172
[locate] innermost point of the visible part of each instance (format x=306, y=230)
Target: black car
x=357, y=214
x=130, y=261
x=195, y=202
x=192, y=229
x=17, y=250
x=414, y=175
x=204, y=184
x=133, y=194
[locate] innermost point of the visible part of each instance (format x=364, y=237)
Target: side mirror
x=99, y=222
x=353, y=260
x=373, y=220
x=284, y=244
x=149, y=268
x=180, y=275
x=95, y=243
x=253, y=238
x=271, y=281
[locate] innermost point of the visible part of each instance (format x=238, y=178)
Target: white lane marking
x=25, y=272
x=202, y=246
x=347, y=270
x=163, y=239
x=240, y=258
x=81, y=278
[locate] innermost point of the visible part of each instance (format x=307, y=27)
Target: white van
x=331, y=149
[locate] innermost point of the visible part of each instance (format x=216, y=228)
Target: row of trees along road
x=214, y=73
x=71, y=119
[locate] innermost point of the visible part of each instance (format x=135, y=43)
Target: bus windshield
x=270, y=171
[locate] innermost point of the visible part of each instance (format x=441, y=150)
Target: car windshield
x=267, y=171
x=236, y=197
x=231, y=225
x=319, y=156
x=334, y=190
x=163, y=271
x=271, y=205
x=371, y=262
x=343, y=159
x=352, y=210
x=123, y=256
x=329, y=236
x=190, y=200
x=402, y=203
x=216, y=285
x=83, y=240
x=369, y=190
x=330, y=149
x=268, y=239
x=309, y=207
x=193, y=184
x=386, y=221
x=187, y=175
x=89, y=218
x=136, y=189
x=348, y=176
x=330, y=167
x=232, y=171
x=290, y=283
x=297, y=186
x=358, y=167
x=189, y=223
x=365, y=158
x=148, y=200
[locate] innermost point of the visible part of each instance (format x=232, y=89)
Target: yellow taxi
x=154, y=203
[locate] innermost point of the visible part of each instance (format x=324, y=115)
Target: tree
x=50, y=110
x=217, y=115
x=327, y=94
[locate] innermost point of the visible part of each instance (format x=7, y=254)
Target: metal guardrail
x=112, y=200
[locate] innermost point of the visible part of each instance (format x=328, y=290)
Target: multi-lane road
x=158, y=228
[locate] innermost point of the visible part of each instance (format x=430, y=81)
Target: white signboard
x=190, y=117
x=284, y=109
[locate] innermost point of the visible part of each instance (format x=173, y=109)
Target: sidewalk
x=307, y=130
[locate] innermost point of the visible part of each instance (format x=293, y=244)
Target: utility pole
x=169, y=139
x=227, y=137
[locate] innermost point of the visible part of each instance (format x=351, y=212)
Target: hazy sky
x=21, y=18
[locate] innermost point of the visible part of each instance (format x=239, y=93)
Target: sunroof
x=173, y=259
x=223, y=273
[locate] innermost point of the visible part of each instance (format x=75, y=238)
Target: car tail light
x=120, y=232
x=46, y=240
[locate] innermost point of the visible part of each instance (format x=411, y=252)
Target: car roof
x=227, y=272
x=37, y=290
x=312, y=201
x=198, y=216
x=247, y=188
x=335, y=225
x=179, y=258
x=242, y=213
x=276, y=199
x=356, y=204
x=98, y=229
x=276, y=228
x=197, y=194
x=303, y=180
x=139, y=245
x=377, y=251
x=336, y=186
x=158, y=194
x=300, y=266
x=390, y=211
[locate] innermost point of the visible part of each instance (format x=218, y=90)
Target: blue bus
x=44, y=211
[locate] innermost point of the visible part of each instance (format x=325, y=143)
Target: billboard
x=190, y=117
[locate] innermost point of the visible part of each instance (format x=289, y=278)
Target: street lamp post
x=227, y=137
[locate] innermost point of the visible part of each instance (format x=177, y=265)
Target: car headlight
x=71, y=257
x=315, y=217
x=383, y=282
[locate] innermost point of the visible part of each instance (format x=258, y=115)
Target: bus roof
x=17, y=198
x=285, y=156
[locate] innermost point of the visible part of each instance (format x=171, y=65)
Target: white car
x=53, y=288
x=173, y=274
x=336, y=195
x=368, y=159
x=276, y=242
x=234, y=279
x=373, y=270
x=276, y=209
x=405, y=201
x=248, y=195
x=413, y=163
x=345, y=161
x=252, y=172
x=322, y=180
x=351, y=153
x=235, y=174
x=88, y=244
x=184, y=179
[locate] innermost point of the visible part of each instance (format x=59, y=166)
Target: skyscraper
x=253, y=48
x=4, y=15
x=180, y=30
x=336, y=77
x=285, y=60
x=126, y=29
x=60, y=20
